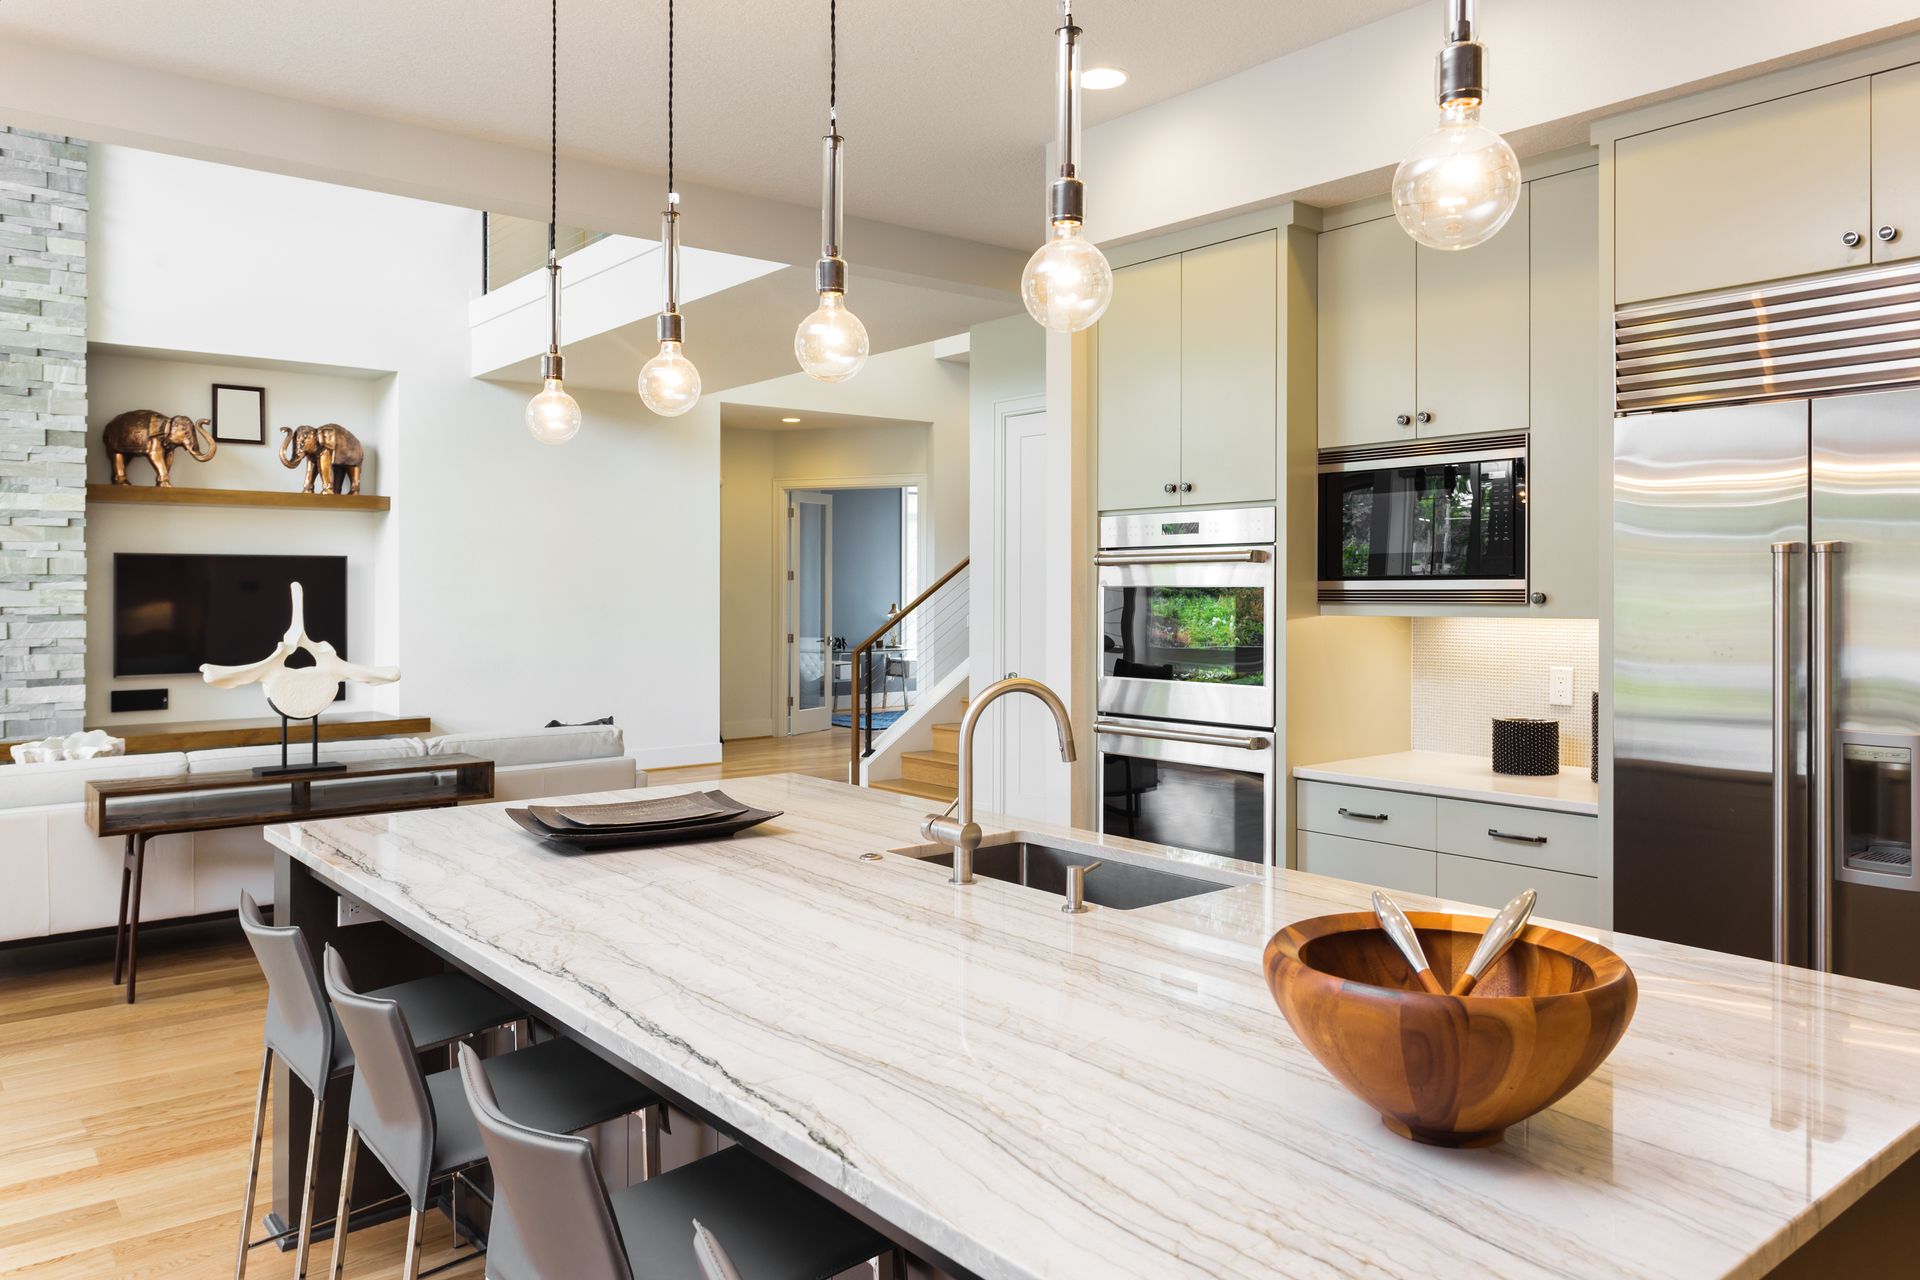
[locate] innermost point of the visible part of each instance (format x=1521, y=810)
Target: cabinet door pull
x=1498, y=834
x=1363, y=817
x=1167, y=488
x=1403, y=420
x=1186, y=486
x=1423, y=417
x=1851, y=239
x=1888, y=234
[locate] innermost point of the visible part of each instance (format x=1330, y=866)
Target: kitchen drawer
x=1575, y=899
x=1388, y=866
x=1364, y=813
x=1544, y=838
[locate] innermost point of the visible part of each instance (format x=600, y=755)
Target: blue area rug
x=881, y=720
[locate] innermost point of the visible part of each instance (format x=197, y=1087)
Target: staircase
x=933, y=774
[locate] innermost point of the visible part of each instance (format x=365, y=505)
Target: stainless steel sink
x=1122, y=886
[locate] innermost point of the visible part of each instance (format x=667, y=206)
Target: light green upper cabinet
x=1782, y=188
x=1187, y=361
x=1896, y=164
x=1367, y=325
x=1569, y=410
x=1138, y=387
x=1471, y=310
x=1229, y=318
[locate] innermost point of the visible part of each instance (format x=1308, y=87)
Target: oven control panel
x=1231, y=526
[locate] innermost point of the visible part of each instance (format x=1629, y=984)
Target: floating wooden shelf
x=153, y=495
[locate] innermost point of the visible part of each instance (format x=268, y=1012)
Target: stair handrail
x=863, y=658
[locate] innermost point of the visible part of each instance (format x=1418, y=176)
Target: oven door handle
x=1252, y=743
x=1197, y=555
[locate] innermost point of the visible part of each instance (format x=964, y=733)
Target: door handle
x=1783, y=562
x=1362, y=817
x=1189, y=555
x=1115, y=730
x=1820, y=752
x=1498, y=834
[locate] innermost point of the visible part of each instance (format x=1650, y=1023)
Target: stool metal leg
x=253, y=1161
x=340, y=1219
x=410, y=1265
x=650, y=1143
x=306, y=1198
x=120, y=929
x=133, y=915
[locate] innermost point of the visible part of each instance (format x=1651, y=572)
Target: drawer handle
x=1363, y=817
x=1498, y=834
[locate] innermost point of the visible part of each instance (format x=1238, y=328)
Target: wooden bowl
x=1448, y=1070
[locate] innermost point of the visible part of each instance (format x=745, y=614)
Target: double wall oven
x=1186, y=696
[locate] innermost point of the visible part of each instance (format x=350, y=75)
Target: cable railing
x=920, y=645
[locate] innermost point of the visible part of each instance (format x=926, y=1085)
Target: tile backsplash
x=1468, y=670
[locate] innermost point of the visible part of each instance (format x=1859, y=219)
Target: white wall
x=513, y=582
x=754, y=467
x=121, y=382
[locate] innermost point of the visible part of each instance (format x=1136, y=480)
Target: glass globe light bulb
x=669, y=384
x=831, y=344
x=1067, y=284
x=553, y=416
x=1461, y=183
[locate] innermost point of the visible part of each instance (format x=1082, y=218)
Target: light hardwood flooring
x=123, y=1130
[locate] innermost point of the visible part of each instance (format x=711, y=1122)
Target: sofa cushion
x=533, y=746
x=65, y=781
x=225, y=759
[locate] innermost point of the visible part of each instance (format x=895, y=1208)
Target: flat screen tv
x=173, y=612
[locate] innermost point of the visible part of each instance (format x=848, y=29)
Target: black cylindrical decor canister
x=1529, y=748
x=1593, y=747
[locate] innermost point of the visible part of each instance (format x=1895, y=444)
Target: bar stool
x=553, y=1216
x=303, y=1033
x=421, y=1128
x=713, y=1260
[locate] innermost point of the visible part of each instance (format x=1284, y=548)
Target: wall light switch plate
x=354, y=913
x=1559, y=686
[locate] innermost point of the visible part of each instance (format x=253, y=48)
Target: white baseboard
x=668, y=757
x=733, y=730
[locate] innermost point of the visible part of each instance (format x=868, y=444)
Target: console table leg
x=133, y=915
x=120, y=927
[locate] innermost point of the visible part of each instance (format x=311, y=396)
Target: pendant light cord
x=833, y=66
x=553, y=144
x=669, y=101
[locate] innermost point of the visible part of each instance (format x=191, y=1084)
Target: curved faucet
x=959, y=832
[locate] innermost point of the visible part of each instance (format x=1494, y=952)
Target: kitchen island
x=1017, y=1092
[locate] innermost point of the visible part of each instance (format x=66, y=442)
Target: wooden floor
x=123, y=1131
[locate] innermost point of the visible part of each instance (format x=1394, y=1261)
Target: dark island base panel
x=379, y=954
x=1878, y=1235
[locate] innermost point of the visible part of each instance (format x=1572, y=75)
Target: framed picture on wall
x=239, y=414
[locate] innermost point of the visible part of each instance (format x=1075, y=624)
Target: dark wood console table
x=140, y=808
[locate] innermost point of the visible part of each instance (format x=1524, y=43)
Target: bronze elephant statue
x=332, y=453
x=143, y=433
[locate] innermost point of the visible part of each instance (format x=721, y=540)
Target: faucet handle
x=1076, y=903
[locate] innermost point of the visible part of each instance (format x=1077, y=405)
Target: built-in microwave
x=1426, y=522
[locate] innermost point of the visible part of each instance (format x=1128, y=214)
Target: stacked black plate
x=698, y=815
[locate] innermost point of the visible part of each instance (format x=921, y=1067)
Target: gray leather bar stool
x=553, y=1217
x=713, y=1260
x=302, y=1031
x=420, y=1126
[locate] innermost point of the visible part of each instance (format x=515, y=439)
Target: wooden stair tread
x=909, y=787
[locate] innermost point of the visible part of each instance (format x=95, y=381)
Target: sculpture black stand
x=283, y=768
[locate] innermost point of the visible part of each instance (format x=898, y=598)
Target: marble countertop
x=1045, y=1095
x=1459, y=777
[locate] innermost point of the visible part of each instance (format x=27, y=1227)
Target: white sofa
x=57, y=877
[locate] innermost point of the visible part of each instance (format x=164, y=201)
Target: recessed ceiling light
x=789, y=419
x=1102, y=78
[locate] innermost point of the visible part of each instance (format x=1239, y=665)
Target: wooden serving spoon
x=1501, y=931
x=1394, y=923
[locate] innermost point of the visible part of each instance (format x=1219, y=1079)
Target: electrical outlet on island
x=1559, y=686
x=354, y=913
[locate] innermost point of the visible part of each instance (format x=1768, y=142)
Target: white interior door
x=1029, y=750
x=809, y=620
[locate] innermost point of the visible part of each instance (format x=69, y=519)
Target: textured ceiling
x=946, y=104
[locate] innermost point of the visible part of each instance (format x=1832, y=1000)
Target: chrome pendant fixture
x=1067, y=283
x=831, y=344
x=1462, y=181
x=669, y=384
x=553, y=416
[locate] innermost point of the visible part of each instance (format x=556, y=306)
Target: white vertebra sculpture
x=298, y=693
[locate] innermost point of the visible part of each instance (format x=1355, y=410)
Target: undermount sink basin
x=1121, y=886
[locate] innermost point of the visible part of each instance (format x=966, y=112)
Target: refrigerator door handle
x=1784, y=554
x=1820, y=750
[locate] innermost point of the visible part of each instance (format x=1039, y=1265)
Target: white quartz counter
x=1046, y=1095
x=1459, y=777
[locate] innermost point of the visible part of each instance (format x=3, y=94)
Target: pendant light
x=831, y=344
x=1462, y=181
x=553, y=416
x=1067, y=283
x=669, y=384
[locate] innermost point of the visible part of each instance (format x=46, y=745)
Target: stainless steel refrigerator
x=1767, y=646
